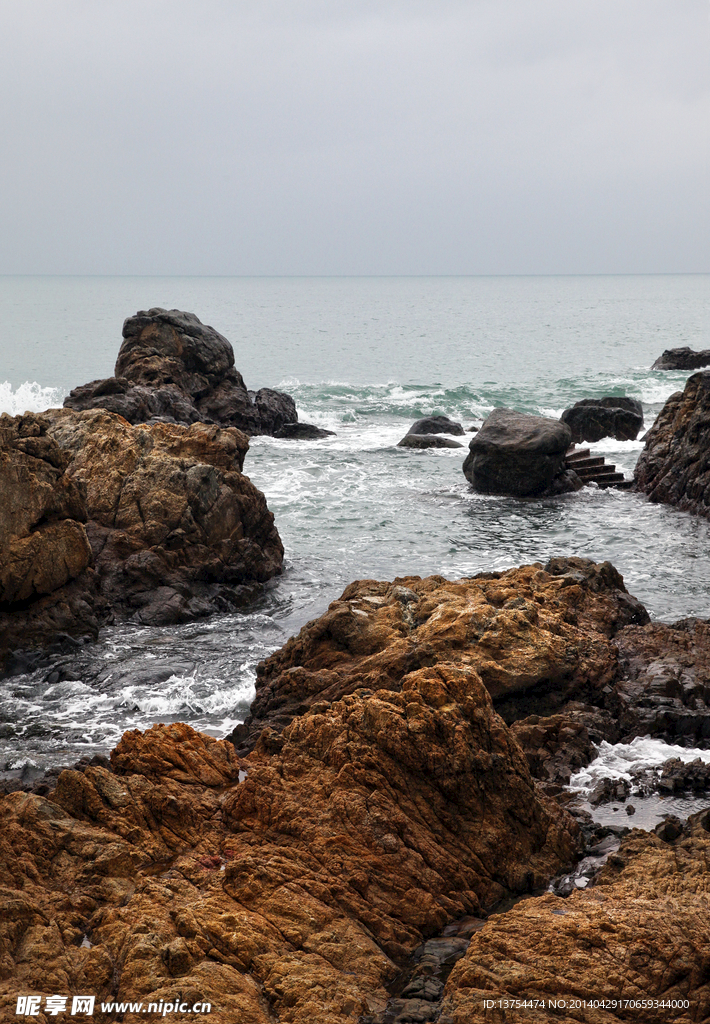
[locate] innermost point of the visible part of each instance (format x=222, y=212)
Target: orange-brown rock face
x=641, y=933
x=522, y=631
x=370, y=822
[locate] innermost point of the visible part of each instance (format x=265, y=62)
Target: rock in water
x=411, y=440
x=595, y=418
x=172, y=367
x=153, y=523
x=302, y=432
x=674, y=466
x=436, y=425
x=520, y=455
x=682, y=359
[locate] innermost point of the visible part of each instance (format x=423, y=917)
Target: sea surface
x=364, y=357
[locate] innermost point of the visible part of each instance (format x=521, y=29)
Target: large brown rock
x=292, y=895
x=537, y=638
x=674, y=466
x=627, y=948
x=172, y=367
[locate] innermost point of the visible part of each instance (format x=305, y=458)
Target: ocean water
x=364, y=357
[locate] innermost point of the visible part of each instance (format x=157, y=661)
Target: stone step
x=612, y=480
x=581, y=464
x=577, y=453
x=589, y=472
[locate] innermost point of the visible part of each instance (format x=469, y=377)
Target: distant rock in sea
x=173, y=368
x=436, y=425
x=682, y=359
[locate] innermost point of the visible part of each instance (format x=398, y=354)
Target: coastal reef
x=674, y=466
x=106, y=521
x=174, y=368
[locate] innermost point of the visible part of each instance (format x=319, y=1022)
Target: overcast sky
x=354, y=136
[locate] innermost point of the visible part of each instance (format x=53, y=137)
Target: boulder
x=640, y=933
x=302, y=432
x=290, y=885
x=595, y=418
x=427, y=441
x=537, y=638
x=520, y=455
x=436, y=425
x=173, y=368
x=674, y=466
x=682, y=359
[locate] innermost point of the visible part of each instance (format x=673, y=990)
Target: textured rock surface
x=537, y=637
x=411, y=440
x=174, y=368
x=177, y=531
x=436, y=425
x=595, y=418
x=520, y=455
x=293, y=894
x=674, y=466
x=642, y=932
x=682, y=359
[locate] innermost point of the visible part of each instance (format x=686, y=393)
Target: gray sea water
x=364, y=357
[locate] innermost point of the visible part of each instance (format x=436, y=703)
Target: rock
x=302, y=432
x=537, y=638
x=427, y=441
x=555, y=747
x=173, y=368
x=436, y=425
x=595, y=418
x=682, y=359
x=294, y=894
x=641, y=932
x=520, y=455
x=674, y=466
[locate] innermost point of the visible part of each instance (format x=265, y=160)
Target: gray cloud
x=337, y=136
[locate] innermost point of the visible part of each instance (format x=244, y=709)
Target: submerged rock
x=682, y=359
x=302, y=432
x=595, y=418
x=674, y=466
x=520, y=455
x=173, y=368
x=155, y=523
x=427, y=441
x=436, y=425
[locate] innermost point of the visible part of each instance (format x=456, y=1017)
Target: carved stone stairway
x=592, y=468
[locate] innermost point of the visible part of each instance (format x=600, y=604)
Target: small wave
x=28, y=397
x=617, y=760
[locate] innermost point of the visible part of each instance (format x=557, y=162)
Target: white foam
x=28, y=397
x=618, y=760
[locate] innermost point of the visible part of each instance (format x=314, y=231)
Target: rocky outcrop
x=287, y=886
x=674, y=467
x=172, y=367
x=640, y=933
x=595, y=418
x=520, y=455
x=537, y=637
x=436, y=425
x=302, y=432
x=427, y=441
x=103, y=520
x=682, y=359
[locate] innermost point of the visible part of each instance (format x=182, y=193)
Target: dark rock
x=674, y=466
x=302, y=432
x=682, y=359
x=669, y=829
x=595, y=418
x=520, y=455
x=436, y=425
x=427, y=441
x=173, y=368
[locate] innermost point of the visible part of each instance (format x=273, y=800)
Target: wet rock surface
x=302, y=432
x=595, y=418
x=427, y=441
x=154, y=523
x=436, y=425
x=684, y=358
x=537, y=638
x=173, y=368
x=674, y=466
x=520, y=455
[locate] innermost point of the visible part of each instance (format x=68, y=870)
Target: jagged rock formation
x=174, y=368
x=682, y=359
x=102, y=519
x=674, y=466
x=595, y=418
x=520, y=455
x=537, y=638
